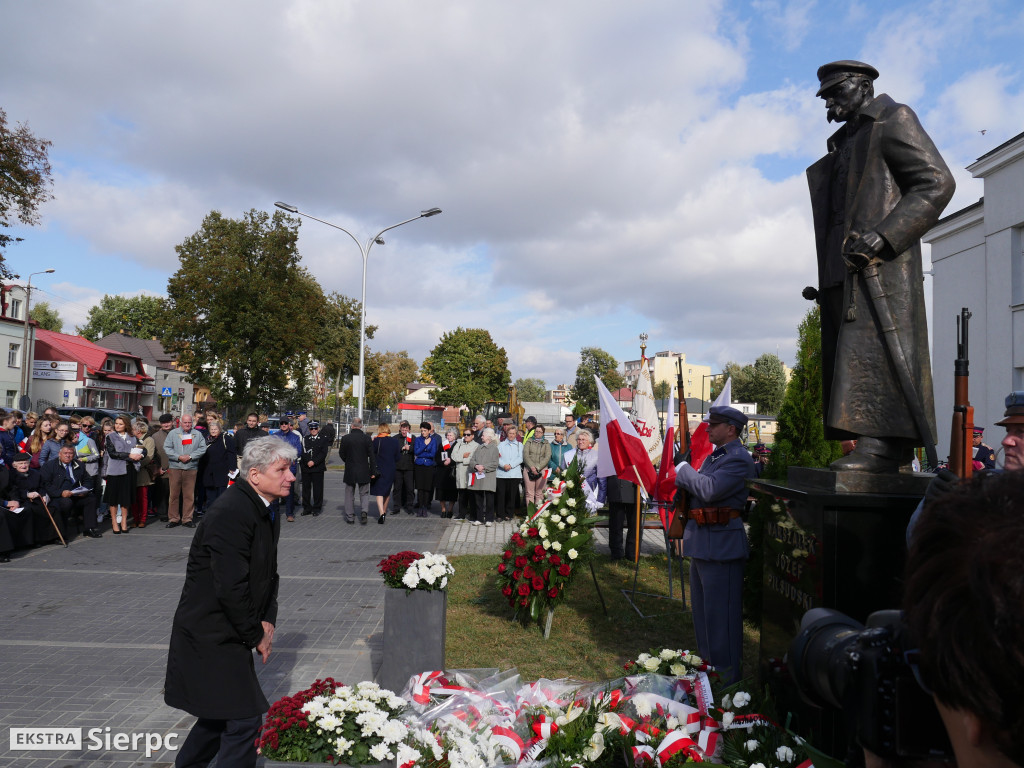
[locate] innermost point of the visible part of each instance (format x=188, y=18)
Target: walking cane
x=53, y=522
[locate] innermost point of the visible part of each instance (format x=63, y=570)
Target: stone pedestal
x=414, y=635
x=834, y=540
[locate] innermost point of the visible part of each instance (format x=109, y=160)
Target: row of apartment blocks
x=118, y=373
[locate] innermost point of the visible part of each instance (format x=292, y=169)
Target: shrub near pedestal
x=415, y=609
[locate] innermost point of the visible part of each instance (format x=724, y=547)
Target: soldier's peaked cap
x=837, y=71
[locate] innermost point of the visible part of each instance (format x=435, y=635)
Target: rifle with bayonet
x=961, y=441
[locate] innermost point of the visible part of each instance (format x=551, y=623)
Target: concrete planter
x=414, y=633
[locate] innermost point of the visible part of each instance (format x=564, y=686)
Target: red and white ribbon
x=641, y=753
x=677, y=741
x=421, y=687
x=543, y=726
x=509, y=740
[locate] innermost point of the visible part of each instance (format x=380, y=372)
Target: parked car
x=272, y=425
x=98, y=414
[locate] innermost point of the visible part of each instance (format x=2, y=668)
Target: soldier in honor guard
x=982, y=453
x=716, y=542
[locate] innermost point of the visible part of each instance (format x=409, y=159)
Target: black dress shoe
x=305, y=512
x=350, y=522
x=189, y=524
x=5, y=558
x=380, y=520
x=172, y=525
x=92, y=533
x=362, y=519
x=317, y=514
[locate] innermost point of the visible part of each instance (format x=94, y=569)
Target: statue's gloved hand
x=861, y=250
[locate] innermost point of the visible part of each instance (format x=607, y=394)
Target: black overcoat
x=220, y=458
x=230, y=588
x=356, y=451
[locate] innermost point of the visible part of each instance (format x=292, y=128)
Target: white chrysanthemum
x=727, y=701
x=741, y=699
x=342, y=746
x=410, y=579
x=642, y=658
x=573, y=554
x=751, y=744
x=727, y=718
x=393, y=731
x=407, y=754
x=571, y=519
x=643, y=706
x=785, y=754
x=672, y=723
x=444, y=582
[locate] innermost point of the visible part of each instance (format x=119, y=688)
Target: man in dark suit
x=314, y=463
x=60, y=477
x=716, y=543
x=405, y=484
x=881, y=186
x=227, y=610
x=356, y=451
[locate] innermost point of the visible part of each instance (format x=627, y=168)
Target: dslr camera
x=870, y=674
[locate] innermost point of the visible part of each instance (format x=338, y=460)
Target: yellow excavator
x=494, y=408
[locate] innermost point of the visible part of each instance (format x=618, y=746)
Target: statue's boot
x=875, y=455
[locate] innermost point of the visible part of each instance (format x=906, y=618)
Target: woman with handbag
x=447, y=486
x=536, y=456
x=123, y=453
x=387, y=450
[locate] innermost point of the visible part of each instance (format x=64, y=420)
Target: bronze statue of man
x=881, y=186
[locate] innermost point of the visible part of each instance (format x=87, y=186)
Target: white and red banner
x=700, y=446
x=665, y=490
x=622, y=452
x=645, y=413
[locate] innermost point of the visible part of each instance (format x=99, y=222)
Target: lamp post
x=364, y=251
x=26, y=357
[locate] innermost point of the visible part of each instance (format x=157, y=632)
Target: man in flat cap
x=716, y=543
x=1013, y=443
x=881, y=186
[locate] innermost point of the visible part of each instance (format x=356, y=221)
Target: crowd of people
x=61, y=477
x=489, y=473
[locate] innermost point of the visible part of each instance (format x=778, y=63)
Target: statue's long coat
x=897, y=185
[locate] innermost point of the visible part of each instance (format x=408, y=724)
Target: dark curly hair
x=964, y=601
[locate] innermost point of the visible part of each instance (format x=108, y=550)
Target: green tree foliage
x=732, y=371
x=800, y=435
x=240, y=308
x=25, y=181
x=766, y=384
x=469, y=369
x=531, y=390
x=594, y=361
x=662, y=390
x=387, y=376
x=138, y=316
x=337, y=344
x=47, y=317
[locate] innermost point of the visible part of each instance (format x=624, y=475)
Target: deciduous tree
x=338, y=340
x=241, y=313
x=594, y=361
x=47, y=317
x=25, y=181
x=138, y=316
x=468, y=368
x=387, y=375
x=531, y=390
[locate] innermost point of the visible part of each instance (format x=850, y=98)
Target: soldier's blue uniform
x=718, y=552
x=984, y=453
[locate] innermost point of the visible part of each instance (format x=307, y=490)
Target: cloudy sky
x=605, y=168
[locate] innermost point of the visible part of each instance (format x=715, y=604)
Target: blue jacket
x=294, y=441
x=510, y=452
x=721, y=482
x=558, y=451
x=426, y=455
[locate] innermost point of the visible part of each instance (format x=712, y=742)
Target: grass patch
x=584, y=643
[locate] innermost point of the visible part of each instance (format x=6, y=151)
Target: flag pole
x=638, y=532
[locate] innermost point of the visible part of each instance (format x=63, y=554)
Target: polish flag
x=700, y=446
x=622, y=453
x=666, y=487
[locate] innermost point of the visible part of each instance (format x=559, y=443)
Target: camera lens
x=818, y=658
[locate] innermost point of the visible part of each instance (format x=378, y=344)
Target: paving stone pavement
x=85, y=629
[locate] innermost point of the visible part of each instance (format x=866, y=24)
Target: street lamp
x=364, y=250
x=26, y=357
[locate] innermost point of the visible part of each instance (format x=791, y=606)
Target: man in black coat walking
x=228, y=609
x=356, y=451
x=314, y=463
